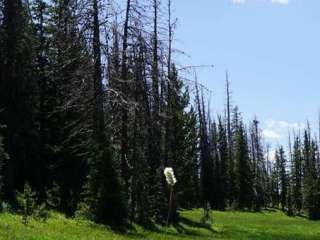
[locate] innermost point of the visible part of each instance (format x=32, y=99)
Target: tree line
x=93, y=108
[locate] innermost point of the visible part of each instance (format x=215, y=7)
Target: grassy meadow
x=268, y=225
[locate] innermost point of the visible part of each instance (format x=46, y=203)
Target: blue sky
x=271, y=49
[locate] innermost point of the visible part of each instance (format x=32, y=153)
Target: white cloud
x=275, y=130
x=284, y=125
x=281, y=2
x=270, y=134
x=270, y=155
x=238, y=1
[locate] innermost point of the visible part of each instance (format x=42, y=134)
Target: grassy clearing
x=227, y=225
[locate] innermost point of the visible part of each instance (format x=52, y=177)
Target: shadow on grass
x=195, y=224
x=185, y=228
x=270, y=210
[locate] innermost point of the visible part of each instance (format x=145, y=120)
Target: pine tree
x=244, y=173
x=275, y=182
x=289, y=203
x=70, y=104
x=205, y=158
x=259, y=170
x=189, y=197
x=18, y=94
x=297, y=175
x=103, y=193
x=177, y=134
x=283, y=178
x=311, y=179
x=223, y=159
x=232, y=195
x=231, y=128
x=216, y=183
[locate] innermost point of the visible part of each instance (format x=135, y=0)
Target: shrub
x=27, y=203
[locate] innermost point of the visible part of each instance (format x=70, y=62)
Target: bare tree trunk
x=155, y=70
x=170, y=38
x=168, y=108
x=124, y=114
x=228, y=117
x=98, y=116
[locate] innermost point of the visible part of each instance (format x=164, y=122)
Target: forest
x=94, y=108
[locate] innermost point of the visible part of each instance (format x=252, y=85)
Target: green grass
x=226, y=225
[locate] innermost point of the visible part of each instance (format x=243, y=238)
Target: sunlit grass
x=271, y=225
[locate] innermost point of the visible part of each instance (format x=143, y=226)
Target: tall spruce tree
x=297, y=175
x=311, y=179
x=275, y=181
x=103, y=191
x=216, y=184
x=244, y=172
x=283, y=177
x=223, y=170
x=70, y=104
x=205, y=158
x=18, y=96
x=259, y=170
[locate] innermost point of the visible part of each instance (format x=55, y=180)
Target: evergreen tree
x=223, y=170
x=311, y=179
x=104, y=191
x=216, y=184
x=18, y=94
x=230, y=137
x=243, y=170
x=275, y=181
x=259, y=169
x=232, y=195
x=297, y=175
x=180, y=156
x=283, y=178
x=189, y=196
x=70, y=104
x=103, y=194
x=289, y=203
x=206, y=163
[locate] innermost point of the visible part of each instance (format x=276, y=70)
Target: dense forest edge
x=93, y=109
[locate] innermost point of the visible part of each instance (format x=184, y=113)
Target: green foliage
x=91, y=124
x=103, y=201
x=243, y=171
x=297, y=175
x=283, y=177
x=27, y=203
x=3, y=158
x=289, y=203
x=3, y=154
x=275, y=199
x=223, y=166
x=227, y=225
x=53, y=197
x=28, y=207
x=18, y=94
x=181, y=144
x=311, y=181
x=188, y=183
x=41, y=212
x=5, y=207
x=260, y=174
x=206, y=218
